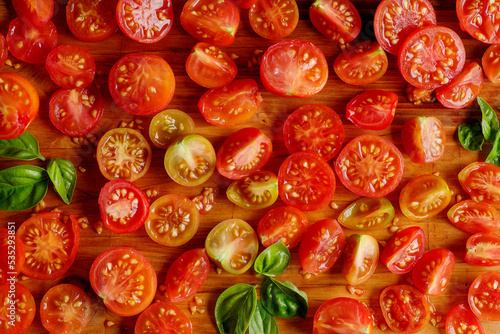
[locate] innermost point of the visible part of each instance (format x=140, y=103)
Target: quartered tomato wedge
x=424, y=139
x=342, y=315
x=474, y=217
x=461, y=319
x=484, y=296
x=91, y=20
x=490, y=64
x=33, y=11
x=479, y=19
x=367, y=214
x=283, y=223
x=24, y=312
x=163, y=317
x=256, y=191
x=168, y=125
x=483, y=249
x=481, y=180
x=463, y=89
x=403, y=250
x=361, y=255
x=12, y=254
x=274, y=19
x=432, y=272
x=372, y=109
x=70, y=66
x=337, y=20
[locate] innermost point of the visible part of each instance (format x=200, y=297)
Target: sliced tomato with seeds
x=285, y=223
x=424, y=139
x=483, y=249
x=163, y=317
x=368, y=214
x=342, y=315
x=256, y=191
x=91, y=20
x=12, y=254
x=70, y=66
x=337, y=20
x=491, y=64
x=372, y=109
x=463, y=89
x=479, y=19
x=361, y=255
x=432, y=272
x=24, y=310
x=481, y=180
x=461, y=319
x=403, y=250
x=274, y=19
x=484, y=296
x=33, y=11
x=168, y=125
x=474, y=217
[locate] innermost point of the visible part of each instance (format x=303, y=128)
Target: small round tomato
x=461, y=320
x=12, y=254
x=123, y=153
x=70, y=66
x=35, y=12
x=141, y=84
x=285, y=223
x=321, y=246
x=372, y=110
x=484, y=296
x=361, y=63
x=481, y=180
x=20, y=105
x=405, y=309
x=187, y=274
x=231, y=105
x=431, y=56
x=403, y=250
x=4, y=50
x=463, y=89
x=479, y=19
x=483, y=249
x=432, y=272
x=190, y=160
x=342, y=315
x=24, y=310
x=370, y=166
x=423, y=139
x=232, y=245
x=65, y=308
x=256, y=191
x=361, y=255
x=163, y=317
x=173, y=220
x=91, y=20
x=474, y=217
x=337, y=20
x=168, y=125
x=211, y=21
x=368, y=214
x=274, y=19
x=124, y=279
x=491, y=66
x=316, y=128
x=293, y=68
x=50, y=244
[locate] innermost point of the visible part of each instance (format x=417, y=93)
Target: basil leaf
x=471, y=136
x=62, y=173
x=273, y=261
x=24, y=147
x=283, y=299
x=494, y=155
x=262, y=322
x=22, y=187
x=489, y=122
x=235, y=308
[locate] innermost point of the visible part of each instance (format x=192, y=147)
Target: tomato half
x=432, y=272
x=124, y=279
x=70, y=66
x=474, y=217
x=50, y=245
x=293, y=68
x=286, y=224
x=481, y=180
x=321, y=246
x=232, y=245
x=361, y=255
x=91, y=20
x=369, y=165
x=65, y=308
x=12, y=254
x=424, y=139
x=484, y=296
x=463, y=89
x=33, y=11
x=24, y=310
x=211, y=21
x=123, y=153
x=168, y=125
x=490, y=64
x=431, y=56
x=141, y=84
x=20, y=103
x=461, y=320
x=479, y=19
x=337, y=20
x=123, y=206
x=187, y=274
x=368, y=214
x=342, y=315
x=274, y=19
x=483, y=249
x=372, y=109
x=256, y=191
x=403, y=250
x=163, y=317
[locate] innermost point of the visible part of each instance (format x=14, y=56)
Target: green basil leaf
x=63, y=175
x=273, y=261
x=262, y=322
x=489, y=122
x=494, y=155
x=24, y=147
x=471, y=136
x=22, y=187
x=283, y=299
x=235, y=307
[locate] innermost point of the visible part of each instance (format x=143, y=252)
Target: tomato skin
x=477, y=176
x=478, y=19
x=321, y=246
x=163, y=317
x=24, y=310
x=372, y=109
x=361, y=255
x=342, y=315
x=461, y=316
x=8, y=241
x=432, y=272
x=367, y=214
x=483, y=249
x=256, y=191
x=284, y=223
x=474, y=217
x=328, y=17
x=467, y=84
x=484, y=296
x=70, y=66
x=245, y=4
x=491, y=67
x=274, y=19
x=424, y=139
x=37, y=13
x=403, y=250
x=91, y=20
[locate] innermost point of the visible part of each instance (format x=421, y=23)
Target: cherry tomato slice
x=483, y=249
x=70, y=66
x=286, y=224
x=372, y=109
x=24, y=310
x=432, y=272
x=481, y=180
x=491, y=66
x=367, y=214
x=461, y=319
x=12, y=254
x=403, y=250
x=168, y=125
x=342, y=315
x=163, y=317
x=479, y=19
x=473, y=217
x=91, y=20
x=463, y=89
x=256, y=191
x=337, y=20
x=484, y=296
x=424, y=139
x=36, y=12
x=361, y=255
x=274, y=19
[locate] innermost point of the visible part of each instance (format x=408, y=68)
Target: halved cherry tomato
x=4, y=50
x=232, y=245
x=91, y=20
x=12, y=254
x=479, y=20
x=168, y=125
x=483, y=249
x=337, y=20
x=231, y=105
x=20, y=103
x=481, y=180
x=403, y=250
x=321, y=246
x=24, y=311
x=65, y=308
x=173, y=220
x=70, y=66
x=190, y=160
x=405, y=309
x=33, y=11
x=316, y=128
x=50, y=244
x=210, y=67
x=484, y=296
x=342, y=315
x=123, y=153
x=163, y=317
x=256, y=191
x=431, y=56
x=491, y=66
x=474, y=217
x=461, y=320
x=370, y=166
x=274, y=19
x=211, y=21
x=285, y=223
x=306, y=181
x=124, y=279
x=432, y=272
x=463, y=89
x=187, y=274
x=372, y=109
x=293, y=68
x=423, y=139
x=141, y=84
x=361, y=255
x=367, y=214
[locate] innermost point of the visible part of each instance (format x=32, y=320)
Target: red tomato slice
x=274, y=19
x=483, y=249
x=461, y=319
x=403, y=250
x=424, y=139
x=34, y=11
x=145, y=21
x=163, y=317
x=70, y=66
x=463, y=89
x=124, y=279
x=123, y=206
x=342, y=315
x=91, y=20
x=187, y=274
x=491, y=66
x=76, y=112
x=24, y=310
x=283, y=223
x=11, y=254
x=479, y=19
x=361, y=255
x=432, y=272
x=293, y=68
x=484, y=296
x=481, y=180
x=431, y=57
x=473, y=217
x=337, y=20
x=370, y=166
x=372, y=109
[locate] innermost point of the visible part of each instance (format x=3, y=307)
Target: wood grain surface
x=175, y=49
